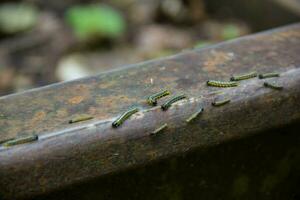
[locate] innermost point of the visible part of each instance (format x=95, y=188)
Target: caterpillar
x=243, y=76
x=158, y=130
x=221, y=83
x=220, y=103
x=120, y=120
x=21, y=140
x=268, y=75
x=152, y=100
x=6, y=140
x=168, y=104
x=195, y=115
x=273, y=86
x=80, y=119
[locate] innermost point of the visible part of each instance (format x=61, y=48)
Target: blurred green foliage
x=95, y=21
x=230, y=31
x=16, y=18
x=203, y=43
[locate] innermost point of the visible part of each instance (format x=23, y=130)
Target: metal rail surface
x=66, y=153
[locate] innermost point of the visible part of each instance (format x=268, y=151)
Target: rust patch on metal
x=38, y=117
x=106, y=85
x=62, y=113
x=216, y=59
x=76, y=100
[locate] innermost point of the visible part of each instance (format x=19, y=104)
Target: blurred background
x=43, y=42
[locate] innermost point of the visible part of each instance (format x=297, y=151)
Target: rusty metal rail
x=65, y=153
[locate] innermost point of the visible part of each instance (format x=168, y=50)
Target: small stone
x=70, y=68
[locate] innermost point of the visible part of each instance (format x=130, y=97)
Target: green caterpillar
x=243, y=76
x=158, y=130
x=220, y=103
x=195, y=115
x=168, y=104
x=152, y=100
x=120, y=120
x=268, y=75
x=273, y=86
x=221, y=83
x=80, y=119
x=21, y=140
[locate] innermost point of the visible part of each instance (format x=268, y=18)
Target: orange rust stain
x=83, y=90
x=105, y=85
x=68, y=94
x=109, y=104
x=38, y=116
x=81, y=87
x=62, y=113
x=76, y=100
x=114, y=100
x=217, y=58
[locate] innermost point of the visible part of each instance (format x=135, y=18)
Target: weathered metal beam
x=265, y=166
x=67, y=153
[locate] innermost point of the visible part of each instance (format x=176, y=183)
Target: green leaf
x=230, y=31
x=95, y=20
x=202, y=43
